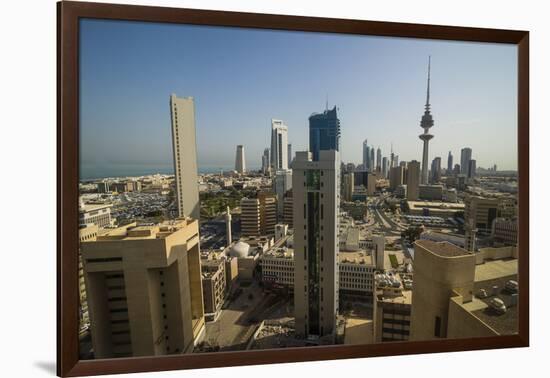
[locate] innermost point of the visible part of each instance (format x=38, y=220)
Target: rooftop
x=495, y=269
x=503, y=324
x=436, y=205
x=359, y=257
x=134, y=231
x=442, y=249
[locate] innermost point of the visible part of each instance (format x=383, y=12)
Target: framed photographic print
x=239, y=188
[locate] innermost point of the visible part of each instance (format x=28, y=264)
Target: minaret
x=228, y=226
x=426, y=123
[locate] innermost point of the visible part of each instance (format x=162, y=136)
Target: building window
x=437, y=329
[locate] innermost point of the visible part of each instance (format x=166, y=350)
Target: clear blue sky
x=241, y=78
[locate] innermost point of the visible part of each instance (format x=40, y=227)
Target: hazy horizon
x=241, y=78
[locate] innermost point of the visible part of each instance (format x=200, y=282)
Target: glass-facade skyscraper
x=324, y=132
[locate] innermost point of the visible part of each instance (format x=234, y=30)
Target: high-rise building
x=86, y=233
x=316, y=204
x=465, y=157
x=449, y=163
x=371, y=184
x=366, y=154
x=184, y=147
x=240, y=163
x=281, y=184
x=379, y=159
x=372, y=161
x=144, y=289
x=385, y=167
x=279, y=145
x=250, y=217
x=266, y=162
x=456, y=169
x=426, y=123
x=324, y=132
x=287, y=209
x=413, y=180
x=349, y=184
x=436, y=170
x=472, y=169
x=289, y=155
x=259, y=215
x=396, y=177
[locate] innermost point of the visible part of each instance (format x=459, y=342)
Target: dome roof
x=240, y=249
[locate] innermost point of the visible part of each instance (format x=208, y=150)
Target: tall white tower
x=228, y=226
x=184, y=147
x=240, y=165
x=279, y=146
x=426, y=123
x=316, y=200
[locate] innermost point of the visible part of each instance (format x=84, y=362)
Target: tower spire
x=428, y=89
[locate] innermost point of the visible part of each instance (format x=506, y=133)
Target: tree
x=412, y=233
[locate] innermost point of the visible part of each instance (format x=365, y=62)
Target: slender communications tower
x=426, y=123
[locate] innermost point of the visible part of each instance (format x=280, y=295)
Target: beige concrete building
x=392, y=314
x=482, y=211
x=396, y=177
x=458, y=294
x=213, y=285
x=250, y=217
x=316, y=191
x=371, y=184
x=439, y=269
x=268, y=213
x=505, y=231
x=184, y=146
x=355, y=271
x=413, y=180
x=85, y=234
x=430, y=192
x=95, y=213
x=492, y=310
x=356, y=274
x=287, y=209
x=144, y=289
x=259, y=215
x=436, y=209
x=348, y=185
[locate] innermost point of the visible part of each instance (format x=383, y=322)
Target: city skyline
x=375, y=98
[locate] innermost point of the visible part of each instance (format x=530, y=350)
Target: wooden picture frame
x=69, y=14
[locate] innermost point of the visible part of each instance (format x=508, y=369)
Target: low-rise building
x=505, y=231
x=95, y=213
x=439, y=209
x=392, y=314
x=213, y=285
x=430, y=192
